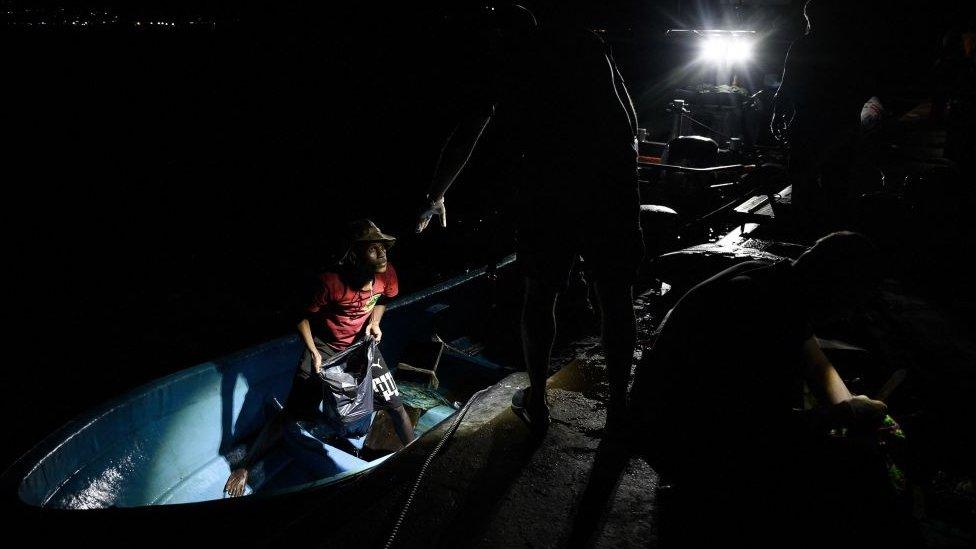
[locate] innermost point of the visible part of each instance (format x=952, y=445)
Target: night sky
x=166, y=188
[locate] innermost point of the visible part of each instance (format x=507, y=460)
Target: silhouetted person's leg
x=840, y=190
x=806, y=166
x=538, y=334
x=401, y=424
x=619, y=335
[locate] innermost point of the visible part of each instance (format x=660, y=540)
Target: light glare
x=726, y=50
x=740, y=51
x=714, y=49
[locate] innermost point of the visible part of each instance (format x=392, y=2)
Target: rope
x=455, y=349
x=426, y=465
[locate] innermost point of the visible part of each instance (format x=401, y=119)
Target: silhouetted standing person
x=561, y=106
x=826, y=81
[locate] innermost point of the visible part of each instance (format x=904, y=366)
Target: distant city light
x=28, y=17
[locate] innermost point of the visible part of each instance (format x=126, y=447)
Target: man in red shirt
x=348, y=305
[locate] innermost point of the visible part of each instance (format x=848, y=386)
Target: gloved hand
x=871, y=113
x=863, y=412
x=436, y=208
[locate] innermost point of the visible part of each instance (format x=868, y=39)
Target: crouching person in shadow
x=719, y=403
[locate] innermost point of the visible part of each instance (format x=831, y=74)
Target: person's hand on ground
x=434, y=208
x=236, y=483
x=864, y=412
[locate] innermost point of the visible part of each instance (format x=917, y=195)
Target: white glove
x=871, y=113
x=436, y=208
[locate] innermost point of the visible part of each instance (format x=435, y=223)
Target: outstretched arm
x=821, y=375
x=842, y=408
x=784, y=106
x=623, y=95
x=454, y=156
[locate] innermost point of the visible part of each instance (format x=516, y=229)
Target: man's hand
x=864, y=412
x=236, y=482
x=316, y=362
x=374, y=331
x=436, y=208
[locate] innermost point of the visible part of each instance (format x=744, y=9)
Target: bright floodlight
x=714, y=49
x=740, y=50
x=726, y=50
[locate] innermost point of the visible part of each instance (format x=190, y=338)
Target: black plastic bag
x=347, y=399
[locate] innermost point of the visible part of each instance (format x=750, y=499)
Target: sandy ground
x=493, y=486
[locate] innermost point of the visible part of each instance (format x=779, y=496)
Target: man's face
x=372, y=256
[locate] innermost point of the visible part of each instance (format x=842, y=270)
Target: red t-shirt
x=339, y=311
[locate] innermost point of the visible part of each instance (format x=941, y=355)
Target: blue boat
x=164, y=450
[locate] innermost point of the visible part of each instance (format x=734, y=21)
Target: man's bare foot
x=236, y=483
